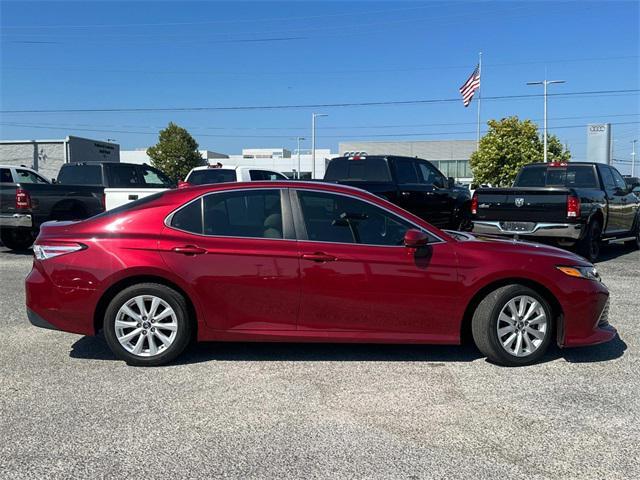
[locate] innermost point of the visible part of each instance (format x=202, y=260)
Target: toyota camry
x=304, y=262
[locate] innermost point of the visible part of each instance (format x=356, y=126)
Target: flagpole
x=479, y=98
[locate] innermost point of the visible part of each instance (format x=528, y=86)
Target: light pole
x=299, y=139
x=633, y=157
x=544, y=83
x=313, y=141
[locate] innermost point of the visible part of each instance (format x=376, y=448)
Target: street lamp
x=633, y=157
x=299, y=139
x=544, y=83
x=313, y=141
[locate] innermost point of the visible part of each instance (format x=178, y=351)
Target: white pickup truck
x=221, y=174
x=122, y=182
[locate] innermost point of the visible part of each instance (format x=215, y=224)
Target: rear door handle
x=318, y=257
x=190, y=250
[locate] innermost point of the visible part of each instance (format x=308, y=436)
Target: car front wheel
x=147, y=324
x=513, y=326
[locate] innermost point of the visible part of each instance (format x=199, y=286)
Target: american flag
x=470, y=86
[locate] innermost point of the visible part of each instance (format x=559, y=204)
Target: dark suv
x=411, y=183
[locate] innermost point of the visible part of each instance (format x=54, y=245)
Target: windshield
x=581, y=176
x=213, y=175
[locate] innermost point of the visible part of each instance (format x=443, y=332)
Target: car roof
x=18, y=166
x=231, y=167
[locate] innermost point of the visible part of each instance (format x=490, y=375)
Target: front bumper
x=16, y=220
x=556, y=230
x=586, y=322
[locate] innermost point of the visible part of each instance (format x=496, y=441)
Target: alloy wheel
x=146, y=326
x=522, y=326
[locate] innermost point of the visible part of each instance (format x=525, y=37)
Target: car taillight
x=573, y=206
x=474, y=204
x=46, y=250
x=23, y=199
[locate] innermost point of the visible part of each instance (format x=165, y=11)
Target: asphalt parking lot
x=69, y=410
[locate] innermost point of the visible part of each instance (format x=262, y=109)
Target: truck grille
x=604, y=316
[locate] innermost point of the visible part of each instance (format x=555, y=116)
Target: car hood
x=497, y=245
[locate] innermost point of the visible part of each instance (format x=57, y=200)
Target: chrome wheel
x=522, y=326
x=146, y=326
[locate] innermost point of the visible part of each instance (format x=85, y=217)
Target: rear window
x=80, y=175
x=579, y=176
x=370, y=169
x=211, y=175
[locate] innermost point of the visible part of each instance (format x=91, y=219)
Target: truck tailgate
x=114, y=197
x=548, y=204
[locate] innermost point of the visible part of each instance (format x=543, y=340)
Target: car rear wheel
x=589, y=246
x=513, y=326
x=636, y=233
x=147, y=324
x=14, y=239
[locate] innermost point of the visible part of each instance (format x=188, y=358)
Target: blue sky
x=92, y=55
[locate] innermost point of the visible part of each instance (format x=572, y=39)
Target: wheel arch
x=557, y=312
x=113, y=290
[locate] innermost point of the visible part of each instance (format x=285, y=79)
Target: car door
x=237, y=250
x=356, y=275
x=418, y=195
x=615, y=201
x=628, y=201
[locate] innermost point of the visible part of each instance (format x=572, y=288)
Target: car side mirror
x=451, y=182
x=415, y=238
x=182, y=184
x=53, y=180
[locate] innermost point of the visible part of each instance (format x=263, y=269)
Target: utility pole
x=479, y=98
x=313, y=142
x=545, y=83
x=633, y=158
x=299, y=139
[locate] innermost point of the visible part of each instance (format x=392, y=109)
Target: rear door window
x=81, y=175
x=124, y=176
x=406, y=171
x=5, y=176
x=211, y=175
x=254, y=214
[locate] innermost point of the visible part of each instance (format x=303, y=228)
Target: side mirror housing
x=182, y=184
x=415, y=238
x=53, y=180
x=451, y=182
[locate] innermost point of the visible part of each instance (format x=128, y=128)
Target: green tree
x=176, y=152
x=508, y=145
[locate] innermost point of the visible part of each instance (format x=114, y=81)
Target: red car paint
x=261, y=289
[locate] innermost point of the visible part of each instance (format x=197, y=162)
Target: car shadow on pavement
x=95, y=348
x=17, y=253
x=614, y=250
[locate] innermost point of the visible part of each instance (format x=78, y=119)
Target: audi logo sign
x=597, y=128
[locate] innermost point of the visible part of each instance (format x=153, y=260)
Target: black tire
x=589, y=245
x=484, y=326
x=183, y=333
x=15, y=239
x=465, y=224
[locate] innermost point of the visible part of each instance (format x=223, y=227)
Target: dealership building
x=47, y=156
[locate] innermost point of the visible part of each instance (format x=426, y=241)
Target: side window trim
x=285, y=207
x=301, y=229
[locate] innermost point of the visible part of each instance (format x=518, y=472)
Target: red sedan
x=309, y=262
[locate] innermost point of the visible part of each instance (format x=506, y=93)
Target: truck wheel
x=147, y=324
x=18, y=240
x=589, y=245
x=513, y=326
x=466, y=224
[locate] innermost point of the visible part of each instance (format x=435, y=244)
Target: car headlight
x=590, y=273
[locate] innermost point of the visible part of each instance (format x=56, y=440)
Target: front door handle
x=405, y=194
x=318, y=257
x=190, y=250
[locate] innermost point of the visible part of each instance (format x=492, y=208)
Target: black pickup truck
x=27, y=199
x=576, y=204
x=411, y=183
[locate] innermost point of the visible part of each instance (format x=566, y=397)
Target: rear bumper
x=556, y=230
x=16, y=220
